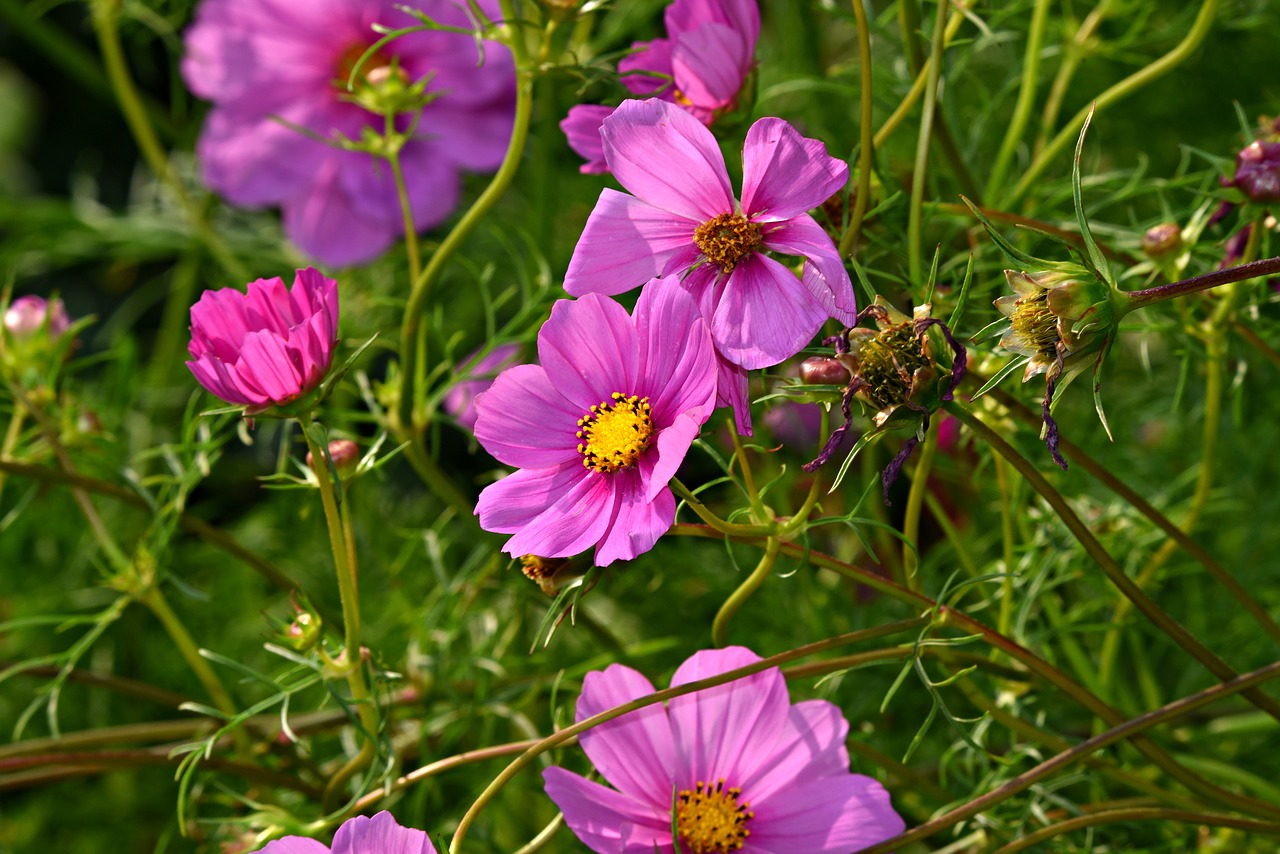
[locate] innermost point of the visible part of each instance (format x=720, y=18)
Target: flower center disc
x=889, y=362
x=374, y=67
x=710, y=820
x=1035, y=324
x=615, y=433
x=726, y=239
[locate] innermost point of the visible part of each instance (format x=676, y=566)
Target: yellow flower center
x=1035, y=324
x=726, y=239
x=711, y=820
x=888, y=364
x=374, y=70
x=615, y=433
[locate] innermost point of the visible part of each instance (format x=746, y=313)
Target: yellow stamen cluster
x=710, y=820
x=615, y=433
x=726, y=239
x=1035, y=324
x=888, y=364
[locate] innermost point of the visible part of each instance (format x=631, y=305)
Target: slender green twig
x=920, y=171
x=1025, y=780
x=1160, y=814
x=1107, y=564
x=866, y=145
x=1026, y=99
x=704, y=513
x=917, y=88
x=190, y=652
x=720, y=625
x=1073, y=53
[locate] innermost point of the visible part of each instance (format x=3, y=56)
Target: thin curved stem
x=1160, y=814
x=11, y=435
x=1072, y=54
x=411, y=248
x=703, y=512
x=917, y=88
x=1124, y=88
x=190, y=652
x=758, y=513
x=1107, y=564
x=915, y=501
x=1026, y=99
x=920, y=170
x=1025, y=780
x=720, y=625
x=866, y=144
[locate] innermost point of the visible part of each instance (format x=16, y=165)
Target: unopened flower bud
x=823, y=370
x=1162, y=240
x=345, y=455
x=303, y=633
x=27, y=315
x=1258, y=172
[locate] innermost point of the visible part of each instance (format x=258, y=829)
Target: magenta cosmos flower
x=360, y=835
x=683, y=219
x=266, y=347
x=735, y=768
x=276, y=72
x=28, y=315
x=701, y=67
x=599, y=427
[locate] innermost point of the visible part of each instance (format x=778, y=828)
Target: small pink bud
x=344, y=453
x=823, y=370
x=27, y=315
x=1162, y=240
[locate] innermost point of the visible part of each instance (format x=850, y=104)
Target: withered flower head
x=895, y=372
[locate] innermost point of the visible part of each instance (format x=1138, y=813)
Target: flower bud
x=303, y=633
x=345, y=455
x=1258, y=172
x=823, y=370
x=1162, y=240
x=28, y=316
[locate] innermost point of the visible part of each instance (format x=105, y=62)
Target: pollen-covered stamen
x=712, y=819
x=889, y=362
x=1035, y=325
x=726, y=239
x=615, y=433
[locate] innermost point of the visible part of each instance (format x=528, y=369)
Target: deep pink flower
x=477, y=377
x=266, y=347
x=599, y=427
x=683, y=217
x=360, y=835
x=273, y=66
x=27, y=315
x=701, y=67
x=749, y=771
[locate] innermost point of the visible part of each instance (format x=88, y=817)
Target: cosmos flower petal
x=607, y=822
x=524, y=421
x=724, y=731
x=552, y=512
x=625, y=243
x=679, y=359
x=590, y=350
x=295, y=845
x=323, y=222
x=666, y=157
x=732, y=389
x=213, y=374
x=476, y=376
x=785, y=174
x=824, y=273
x=266, y=362
x=709, y=64
x=766, y=314
x=641, y=518
x=810, y=745
x=826, y=815
x=673, y=443
x=743, y=16
x=647, y=71
x=634, y=752
x=582, y=129
x=381, y=834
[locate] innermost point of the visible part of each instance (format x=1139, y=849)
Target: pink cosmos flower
x=276, y=72
x=266, y=347
x=700, y=67
x=478, y=376
x=683, y=218
x=360, y=835
x=743, y=769
x=27, y=315
x=599, y=427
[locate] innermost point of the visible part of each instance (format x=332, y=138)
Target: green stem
x=106, y=15
x=409, y=419
x=1072, y=54
x=11, y=436
x=1123, y=89
x=1159, y=814
x=570, y=732
x=720, y=625
x=190, y=652
x=1024, y=781
x=866, y=145
x=732, y=529
x=915, y=501
x=1034, y=663
x=411, y=248
x=1026, y=99
x=1107, y=564
x=1239, y=273
x=920, y=169
x=917, y=88
x=348, y=590
x=1008, y=540
x=759, y=514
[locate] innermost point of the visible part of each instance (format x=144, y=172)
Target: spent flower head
x=734, y=768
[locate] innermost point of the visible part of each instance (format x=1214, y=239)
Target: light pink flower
x=748, y=771
x=273, y=66
x=477, y=377
x=599, y=427
x=683, y=218
x=266, y=347
x=360, y=835
x=701, y=67
x=27, y=315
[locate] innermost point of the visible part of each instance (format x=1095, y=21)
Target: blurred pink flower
x=701, y=67
x=477, y=377
x=750, y=771
x=599, y=427
x=683, y=217
x=27, y=315
x=276, y=72
x=266, y=347
x=360, y=835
